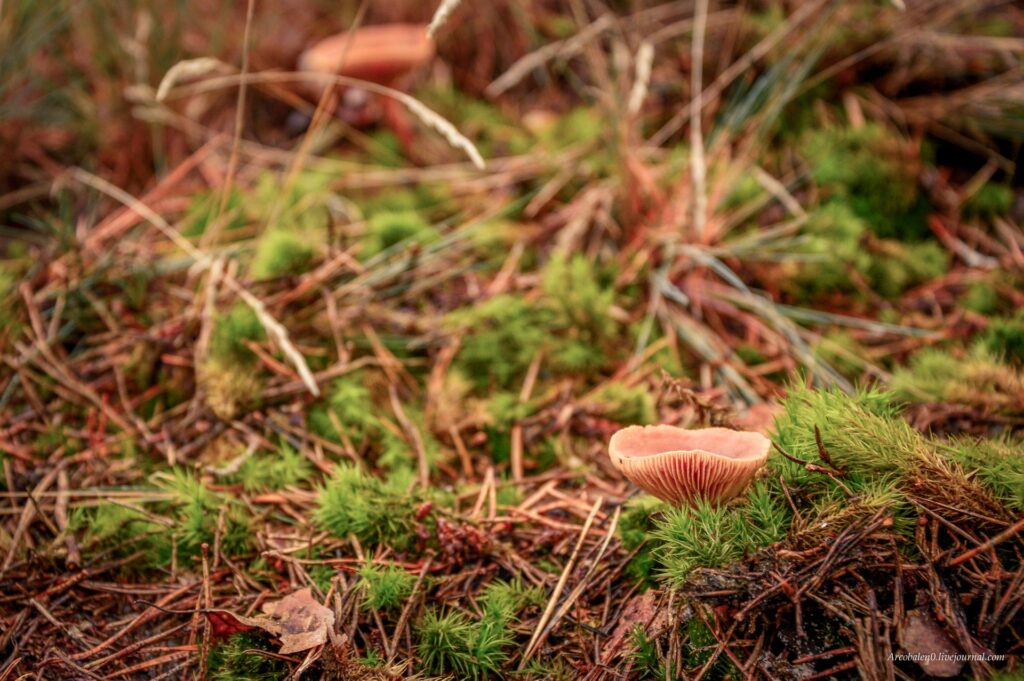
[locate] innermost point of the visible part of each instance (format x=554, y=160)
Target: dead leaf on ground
x=925, y=639
x=641, y=610
x=298, y=619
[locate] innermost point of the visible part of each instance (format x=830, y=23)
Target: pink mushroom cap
x=379, y=54
x=679, y=466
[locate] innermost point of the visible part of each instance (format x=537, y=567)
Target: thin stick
x=1001, y=537
x=274, y=328
x=407, y=610
x=553, y=601
x=414, y=435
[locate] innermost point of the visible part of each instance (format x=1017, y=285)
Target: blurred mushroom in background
x=385, y=54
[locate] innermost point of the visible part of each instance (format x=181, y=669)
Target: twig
x=539, y=631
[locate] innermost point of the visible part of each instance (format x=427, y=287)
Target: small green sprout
x=385, y=587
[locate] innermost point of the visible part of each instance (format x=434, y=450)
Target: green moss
x=625, y=404
x=975, y=378
x=571, y=323
x=504, y=335
x=981, y=297
x=503, y=601
x=991, y=200
x=282, y=251
x=229, y=333
x=385, y=587
x=196, y=511
x=582, y=125
x=233, y=661
x=902, y=266
x=832, y=244
x=875, y=171
x=204, y=209
x=708, y=535
x=997, y=463
x=178, y=525
x=1004, y=338
x=351, y=403
x=272, y=471
x=121, y=529
x=229, y=388
x=492, y=132
x=647, y=663
x=386, y=229
x=452, y=643
x=636, y=526
x=836, y=244
x=840, y=350
x=378, y=512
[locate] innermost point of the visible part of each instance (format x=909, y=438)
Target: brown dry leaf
x=925, y=639
x=298, y=619
x=641, y=610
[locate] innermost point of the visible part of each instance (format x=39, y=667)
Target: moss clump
x=227, y=377
x=390, y=228
x=274, y=470
x=350, y=403
x=378, y=512
x=992, y=200
x=233, y=661
x=280, y=252
x=709, y=535
x=452, y=643
x=229, y=388
x=975, y=378
x=873, y=170
x=1004, y=338
x=205, y=208
x=883, y=462
x=230, y=331
x=899, y=266
x=625, y=404
x=838, y=244
x=196, y=512
x=636, y=525
x=832, y=244
x=121, y=529
x=505, y=334
x=996, y=462
x=581, y=298
x=179, y=525
x=385, y=587
x=981, y=297
x=571, y=323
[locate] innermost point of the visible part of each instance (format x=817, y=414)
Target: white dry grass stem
x=275, y=329
x=549, y=611
x=441, y=16
x=188, y=69
x=642, y=79
x=427, y=116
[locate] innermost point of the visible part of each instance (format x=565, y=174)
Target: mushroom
x=381, y=54
x=680, y=466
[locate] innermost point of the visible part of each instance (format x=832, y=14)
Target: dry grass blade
x=545, y=618
x=274, y=328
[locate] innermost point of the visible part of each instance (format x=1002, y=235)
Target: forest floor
x=298, y=386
